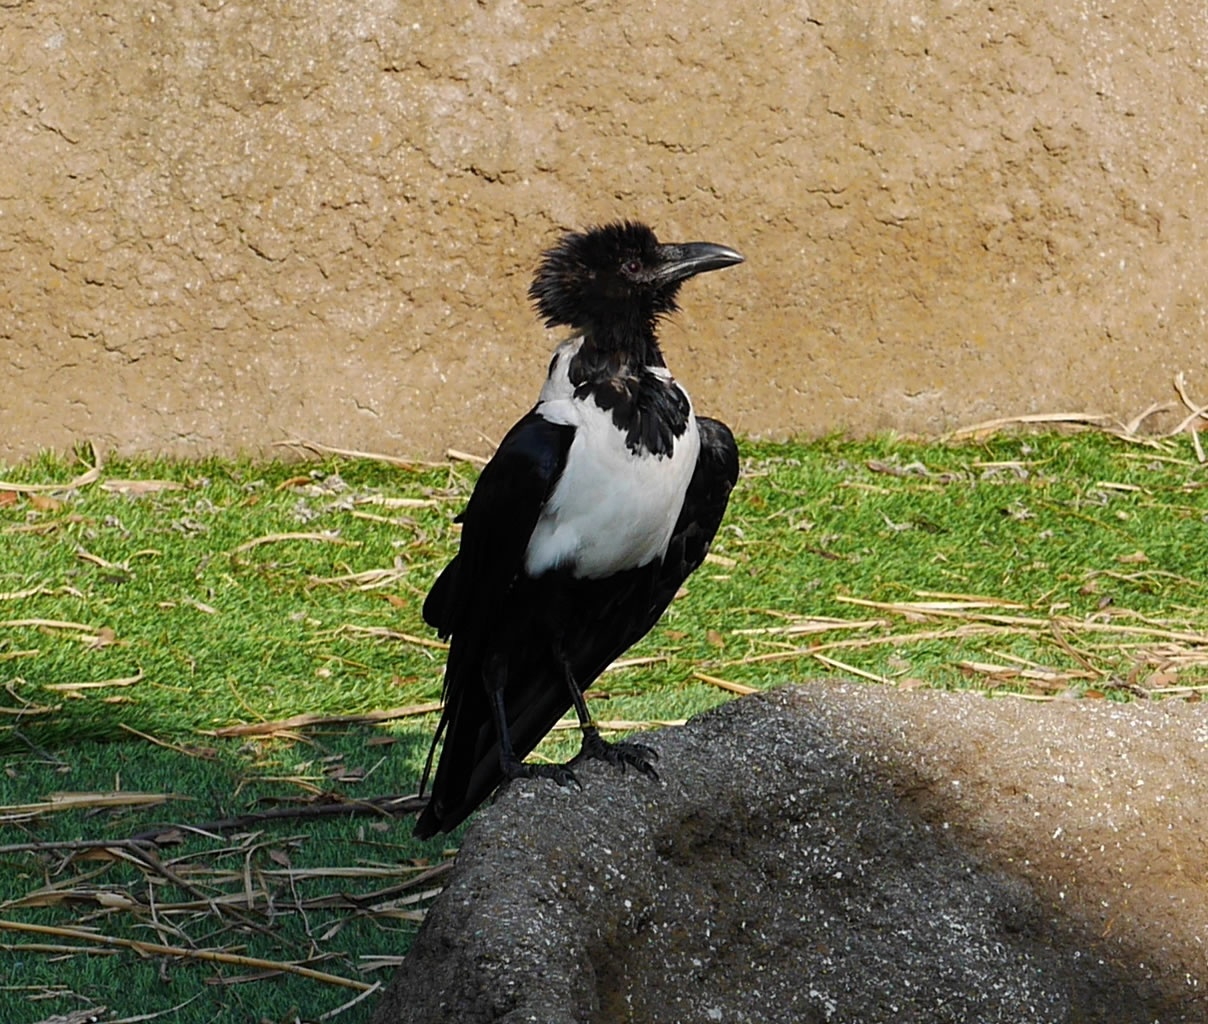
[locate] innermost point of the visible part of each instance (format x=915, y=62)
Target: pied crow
x=583, y=525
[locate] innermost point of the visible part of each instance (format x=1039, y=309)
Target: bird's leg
x=595, y=747
x=512, y=766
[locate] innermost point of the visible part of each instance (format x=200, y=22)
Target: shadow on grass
x=249, y=923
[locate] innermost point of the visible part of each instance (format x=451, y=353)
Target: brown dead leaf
x=293, y=481
x=8, y=498
x=725, y=684
x=1136, y=558
x=169, y=836
x=96, y=684
x=45, y=503
x=395, y=601
x=279, y=857
x=714, y=638
x=45, y=898
x=105, y=637
x=137, y=487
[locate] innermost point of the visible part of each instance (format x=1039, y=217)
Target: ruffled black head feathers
x=617, y=276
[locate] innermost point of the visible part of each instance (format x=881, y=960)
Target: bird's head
x=618, y=276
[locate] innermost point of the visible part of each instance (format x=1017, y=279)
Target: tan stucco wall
x=226, y=224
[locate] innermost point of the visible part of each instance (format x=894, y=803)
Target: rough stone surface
x=841, y=853
x=224, y=224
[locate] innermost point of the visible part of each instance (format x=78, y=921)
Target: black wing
x=497, y=524
x=597, y=619
x=465, y=601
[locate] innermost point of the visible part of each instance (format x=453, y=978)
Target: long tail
x=469, y=770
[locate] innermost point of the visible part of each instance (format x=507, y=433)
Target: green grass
x=136, y=619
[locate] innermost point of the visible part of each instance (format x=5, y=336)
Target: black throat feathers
x=648, y=407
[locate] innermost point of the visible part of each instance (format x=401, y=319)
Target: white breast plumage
x=611, y=509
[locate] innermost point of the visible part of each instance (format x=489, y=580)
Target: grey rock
x=775, y=873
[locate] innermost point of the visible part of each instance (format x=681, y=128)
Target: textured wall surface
x=226, y=224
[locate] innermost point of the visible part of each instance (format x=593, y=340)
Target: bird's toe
x=562, y=774
x=623, y=755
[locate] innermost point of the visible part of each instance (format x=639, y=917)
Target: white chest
x=611, y=509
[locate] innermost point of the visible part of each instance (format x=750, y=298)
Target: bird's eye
x=632, y=266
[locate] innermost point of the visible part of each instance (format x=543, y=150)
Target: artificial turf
x=146, y=606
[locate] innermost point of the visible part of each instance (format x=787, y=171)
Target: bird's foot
x=623, y=754
x=559, y=773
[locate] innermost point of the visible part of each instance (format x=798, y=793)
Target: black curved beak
x=678, y=262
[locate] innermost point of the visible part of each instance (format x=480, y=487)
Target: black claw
x=624, y=754
x=562, y=775
x=559, y=773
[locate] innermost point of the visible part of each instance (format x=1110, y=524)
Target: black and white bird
x=596, y=507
